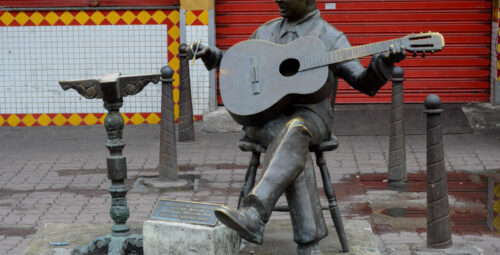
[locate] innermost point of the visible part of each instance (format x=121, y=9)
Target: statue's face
x=292, y=9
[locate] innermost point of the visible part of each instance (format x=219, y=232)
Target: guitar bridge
x=254, y=75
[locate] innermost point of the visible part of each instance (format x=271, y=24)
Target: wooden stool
x=247, y=144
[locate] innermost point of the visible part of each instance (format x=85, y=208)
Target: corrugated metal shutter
x=460, y=73
x=82, y=3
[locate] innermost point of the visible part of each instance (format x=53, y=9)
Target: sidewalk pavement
x=58, y=174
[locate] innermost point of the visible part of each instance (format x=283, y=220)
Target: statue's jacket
x=368, y=81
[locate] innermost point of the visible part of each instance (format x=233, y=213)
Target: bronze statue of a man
x=288, y=166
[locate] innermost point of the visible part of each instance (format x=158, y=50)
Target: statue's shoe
x=246, y=222
x=310, y=249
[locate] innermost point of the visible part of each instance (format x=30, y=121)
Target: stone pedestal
x=164, y=237
x=220, y=121
x=278, y=239
x=456, y=249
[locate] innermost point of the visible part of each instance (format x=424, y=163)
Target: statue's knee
x=297, y=124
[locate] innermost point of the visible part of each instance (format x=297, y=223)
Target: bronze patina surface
x=112, y=88
x=288, y=165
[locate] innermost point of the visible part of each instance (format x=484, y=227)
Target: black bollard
x=168, y=150
x=186, y=127
x=397, y=176
x=438, y=210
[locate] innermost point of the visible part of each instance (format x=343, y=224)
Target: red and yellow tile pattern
x=197, y=17
x=496, y=16
x=75, y=119
x=496, y=208
x=95, y=18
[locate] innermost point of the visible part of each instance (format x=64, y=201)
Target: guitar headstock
x=429, y=42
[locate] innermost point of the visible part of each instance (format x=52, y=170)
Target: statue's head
x=295, y=9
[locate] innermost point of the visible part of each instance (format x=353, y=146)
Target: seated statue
x=288, y=166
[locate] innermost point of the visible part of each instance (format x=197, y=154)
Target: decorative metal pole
x=186, y=127
x=168, y=150
x=397, y=156
x=112, y=88
x=438, y=209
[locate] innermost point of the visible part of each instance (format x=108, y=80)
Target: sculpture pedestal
x=165, y=237
x=456, y=249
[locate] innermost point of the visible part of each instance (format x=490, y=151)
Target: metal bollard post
x=397, y=176
x=186, y=127
x=438, y=209
x=168, y=150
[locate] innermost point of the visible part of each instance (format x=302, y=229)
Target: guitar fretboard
x=337, y=56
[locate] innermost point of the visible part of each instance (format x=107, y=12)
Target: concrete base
x=162, y=184
x=456, y=249
x=372, y=119
x=278, y=240
x=482, y=115
x=164, y=237
x=220, y=121
x=74, y=234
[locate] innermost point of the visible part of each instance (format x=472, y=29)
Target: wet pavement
x=58, y=175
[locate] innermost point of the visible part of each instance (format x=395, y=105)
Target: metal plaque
x=183, y=211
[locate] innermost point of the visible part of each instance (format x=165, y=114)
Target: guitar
x=259, y=79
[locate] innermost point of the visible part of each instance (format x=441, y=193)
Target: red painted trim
x=74, y=22
x=85, y=3
x=459, y=73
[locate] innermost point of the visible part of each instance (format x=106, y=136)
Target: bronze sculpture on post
x=112, y=89
x=289, y=131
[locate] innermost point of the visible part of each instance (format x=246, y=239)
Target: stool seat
x=247, y=144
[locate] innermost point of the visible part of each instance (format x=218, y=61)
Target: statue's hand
x=394, y=55
x=190, y=50
x=211, y=56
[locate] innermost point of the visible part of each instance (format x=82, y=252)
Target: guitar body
x=260, y=79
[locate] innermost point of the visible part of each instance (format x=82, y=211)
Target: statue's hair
x=309, y=2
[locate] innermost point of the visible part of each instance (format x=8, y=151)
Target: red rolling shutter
x=460, y=73
x=83, y=3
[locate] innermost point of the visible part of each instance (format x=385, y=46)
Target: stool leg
x=249, y=176
x=332, y=201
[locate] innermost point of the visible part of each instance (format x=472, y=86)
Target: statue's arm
x=211, y=56
x=367, y=80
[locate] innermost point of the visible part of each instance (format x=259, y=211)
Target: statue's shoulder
x=329, y=30
x=330, y=34
x=266, y=30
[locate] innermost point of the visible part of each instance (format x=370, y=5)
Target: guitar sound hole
x=289, y=67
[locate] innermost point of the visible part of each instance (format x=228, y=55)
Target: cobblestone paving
x=57, y=174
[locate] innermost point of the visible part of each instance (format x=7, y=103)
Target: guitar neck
x=337, y=56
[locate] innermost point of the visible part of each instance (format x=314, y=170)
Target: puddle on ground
x=366, y=196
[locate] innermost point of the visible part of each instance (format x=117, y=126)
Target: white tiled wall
x=198, y=72
x=33, y=60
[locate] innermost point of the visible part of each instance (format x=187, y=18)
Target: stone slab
x=456, y=249
x=220, y=121
x=374, y=119
x=76, y=234
x=178, y=238
x=278, y=240
x=482, y=115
